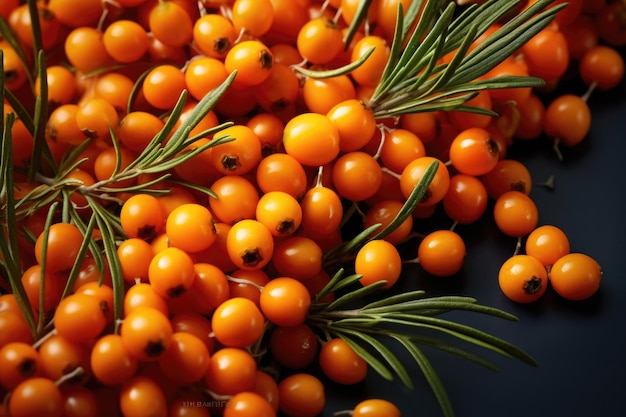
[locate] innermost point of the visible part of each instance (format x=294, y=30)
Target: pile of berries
x=213, y=283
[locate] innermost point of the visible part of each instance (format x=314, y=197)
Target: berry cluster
x=175, y=261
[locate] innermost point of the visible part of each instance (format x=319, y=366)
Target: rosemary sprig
x=396, y=318
x=159, y=157
x=417, y=79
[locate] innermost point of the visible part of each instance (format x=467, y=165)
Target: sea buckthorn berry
x=298, y=257
x=547, y=243
x=609, y=22
x=474, y=152
x=125, y=41
x=231, y=371
x=383, y=213
x=186, y=359
x=36, y=397
x=146, y=333
x=371, y=71
x=62, y=245
x=294, y=347
x=236, y=199
x=254, y=17
x=466, y=199
x=523, y=278
x=252, y=60
x=163, y=86
x=62, y=127
x=279, y=92
x=285, y=301
x=515, y=214
x=508, y=175
x=322, y=212
x=85, y=50
x=441, y=253
x=580, y=37
x=116, y=88
x=20, y=21
x=209, y=288
x=237, y=322
x=110, y=362
x=355, y=123
x=142, y=396
x=190, y=227
x=106, y=163
x=170, y=23
x=61, y=357
x=320, y=40
x=378, y=260
x=239, y=156
x=213, y=35
x=135, y=255
x=281, y=172
x=103, y=293
x=576, y=276
x=356, y=175
x=95, y=117
x=399, y=148
x=247, y=283
x=80, y=317
x=13, y=68
x=14, y=328
x=53, y=289
x=568, y=119
x=546, y=54
x=301, y=395
x=79, y=401
x=531, y=114
x=144, y=295
x=195, y=324
x=137, y=128
x=203, y=74
x=62, y=86
x=74, y=15
x=248, y=404
x=18, y=362
x=269, y=129
x=312, y=139
x=250, y=244
x=142, y=216
x=171, y=272
x=375, y=407
x=266, y=386
x=341, y=363
x=413, y=173
x=603, y=66
x=321, y=95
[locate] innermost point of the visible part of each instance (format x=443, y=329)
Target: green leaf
x=359, y=18
x=356, y=294
x=411, y=202
x=372, y=361
x=336, y=72
x=431, y=376
x=453, y=349
x=353, y=244
x=9, y=248
x=110, y=249
x=395, y=299
x=9, y=36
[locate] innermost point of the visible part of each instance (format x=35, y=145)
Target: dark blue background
x=580, y=346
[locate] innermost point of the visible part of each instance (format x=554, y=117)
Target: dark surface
x=580, y=346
